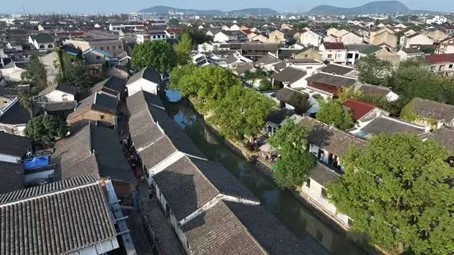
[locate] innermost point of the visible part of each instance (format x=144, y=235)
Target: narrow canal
x=291, y=212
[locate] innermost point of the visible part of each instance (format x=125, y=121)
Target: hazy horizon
x=117, y=6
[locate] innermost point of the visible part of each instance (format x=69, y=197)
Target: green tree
x=45, y=129
x=295, y=161
x=241, y=112
x=158, y=55
x=183, y=49
x=26, y=100
x=75, y=74
x=399, y=192
x=334, y=113
x=173, y=22
x=374, y=71
x=36, y=73
x=301, y=102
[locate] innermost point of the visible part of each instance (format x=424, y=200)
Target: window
x=102, y=116
x=154, y=36
x=350, y=222
x=308, y=183
x=119, y=46
x=330, y=55
x=113, y=47
x=350, y=55
x=450, y=66
x=98, y=57
x=102, y=48
x=108, y=48
x=324, y=195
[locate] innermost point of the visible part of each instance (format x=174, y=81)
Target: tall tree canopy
x=334, y=113
x=45, y=128
x=183, y=49
x=295, y=161
x=158, y=55
x=241, y=112
x=36, y=73
x=219, y=94
x=399, y=191
x=374, y=71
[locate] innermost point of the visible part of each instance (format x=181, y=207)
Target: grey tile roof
x=14, y=145
x=288, y=53
x=113, y=83
x=337, y=69
x=92, y=150
x=268, y=231
x=147, y=74
x=59, y=106
x=280, y=66
x=330, y=138
x=15, y=115
x=434, y=110
x=444, y=136
x=289, y=75
x=218, y=231
x=57, y=218
x=372, y=90
x=97, y=102
x=11, y=177
x=387, y=125
x=267, y=60
x=323, y=175
x=61, y=87
x=156, y=152
x=332, y=80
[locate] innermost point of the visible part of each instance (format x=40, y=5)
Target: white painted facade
x=310, y=38
x=142, y=84
x=315, y=193
x=9, y=158
x=13, y=74
x=420, y=39
x=58, y=96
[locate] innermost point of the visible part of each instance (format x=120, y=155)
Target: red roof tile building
x=442, y=64
x=359, y=109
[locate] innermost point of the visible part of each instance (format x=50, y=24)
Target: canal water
x=282, y=204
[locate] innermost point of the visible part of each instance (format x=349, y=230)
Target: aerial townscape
x=220, y=129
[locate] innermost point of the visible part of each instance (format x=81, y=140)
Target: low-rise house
x=112, y=45
x=97, y=61
x=363, y=112
x=386, y=54
x=342, y=70
x=267, y=62
x=12, y=72
x=383, y=36
x=334, y=52
x=290, y=77
x=388, y=126
x=437, y=35
x=446, y=46
x=173, y=33
x=448, y=29
x=13, y=148
x=441, y=64
x=229, y=36
x=376, y=91
x=350, y=38
x=309, y=53
x=60, y=110
x=99, y=108
x=329, y=144
x=328, y=85
x=146, y=79
x=93, y=150
x=113, y=85
x=255, y=51
x=57, y=93
x=429, y=113
x=42, y=42
x=443, y=136
x=409, y=53
x=276, y=36
x=310, y=38
x=207, y=207
x=314, y=190
x=309, y=65
x=89, y=229
x=356, y=51
x=415, y=40
x=14, y=117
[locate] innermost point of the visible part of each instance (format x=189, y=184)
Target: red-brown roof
x=334, y=46
x=443, y=58
x=358, y=109
x=324, y=88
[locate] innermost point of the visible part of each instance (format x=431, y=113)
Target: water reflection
x=293, y=214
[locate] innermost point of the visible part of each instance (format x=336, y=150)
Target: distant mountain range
x=378, y=7
x=164, y=10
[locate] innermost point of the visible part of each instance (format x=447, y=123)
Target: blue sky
x=105, y=6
